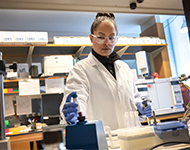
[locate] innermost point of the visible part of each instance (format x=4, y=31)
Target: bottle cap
x=75, y=95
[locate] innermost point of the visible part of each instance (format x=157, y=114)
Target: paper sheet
x=29, y=87
x=54, y=85
x=23, y=105
x=9, y=109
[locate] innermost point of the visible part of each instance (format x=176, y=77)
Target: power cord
x=172, y=142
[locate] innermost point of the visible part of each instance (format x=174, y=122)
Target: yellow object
x=5, y=90
x=187, y=86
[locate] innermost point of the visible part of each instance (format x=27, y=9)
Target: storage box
x=31, y=37
x=147, y=40
x=61, y=40
x=7, y=37
x=1, y=37
x=19, y=38
x=122, y=40
x=141, y=40
x=86, y=40
x=41, y=38
x=138, y=138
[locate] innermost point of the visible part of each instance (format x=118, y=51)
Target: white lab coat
x=101, y=96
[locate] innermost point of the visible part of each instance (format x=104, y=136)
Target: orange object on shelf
x=155, y=75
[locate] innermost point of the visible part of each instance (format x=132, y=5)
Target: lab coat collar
x=95, y=62
x=104, y=60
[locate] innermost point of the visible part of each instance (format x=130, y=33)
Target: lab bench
x=22, y=141
x=168, y=117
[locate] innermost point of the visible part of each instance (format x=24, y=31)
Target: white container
x=122, y=40
x=158, y=41
x=19, y=38
x=41, y=38
x=79, y=40
x=153, y=40
x=31, y=37
x=61, y=40
x=163, y=41
x=86, y=40
x=7, y=37
x=130, y=40
x=147, y=40
x=141, y=40
x=138, y=138
x=1, y=38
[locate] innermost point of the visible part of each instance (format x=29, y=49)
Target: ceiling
x=120, y=6
x=74, y=17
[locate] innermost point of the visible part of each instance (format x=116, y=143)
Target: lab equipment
x=11, y=70
x=53, y=137
x=144, y=110
x=172, y=131
x=86, y=135
x=70, y=109
x=33, y=71
x=57, y=64
x=135, y=138
x=142, y=62
x=164, y=93
x=176, y=91
x=50, y=107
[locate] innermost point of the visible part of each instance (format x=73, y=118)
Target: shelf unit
x=14, y=83
x=35, y=53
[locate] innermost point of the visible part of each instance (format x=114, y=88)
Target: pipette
x=80, y=117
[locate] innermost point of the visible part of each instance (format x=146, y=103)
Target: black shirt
x=108, y=62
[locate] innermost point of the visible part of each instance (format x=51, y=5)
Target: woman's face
x=104, y=30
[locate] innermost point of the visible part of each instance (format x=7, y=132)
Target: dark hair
x=101, y=17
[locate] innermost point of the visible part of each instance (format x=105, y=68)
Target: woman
x=103, y=83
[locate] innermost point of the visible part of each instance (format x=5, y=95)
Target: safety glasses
x=102, y=39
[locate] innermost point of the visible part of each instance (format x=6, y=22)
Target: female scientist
x=104, y=84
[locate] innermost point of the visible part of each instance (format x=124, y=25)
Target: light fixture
x=184, y=28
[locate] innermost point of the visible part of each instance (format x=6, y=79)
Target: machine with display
x=165, y=94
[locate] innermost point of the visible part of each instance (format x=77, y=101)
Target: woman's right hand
x=70, y=109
